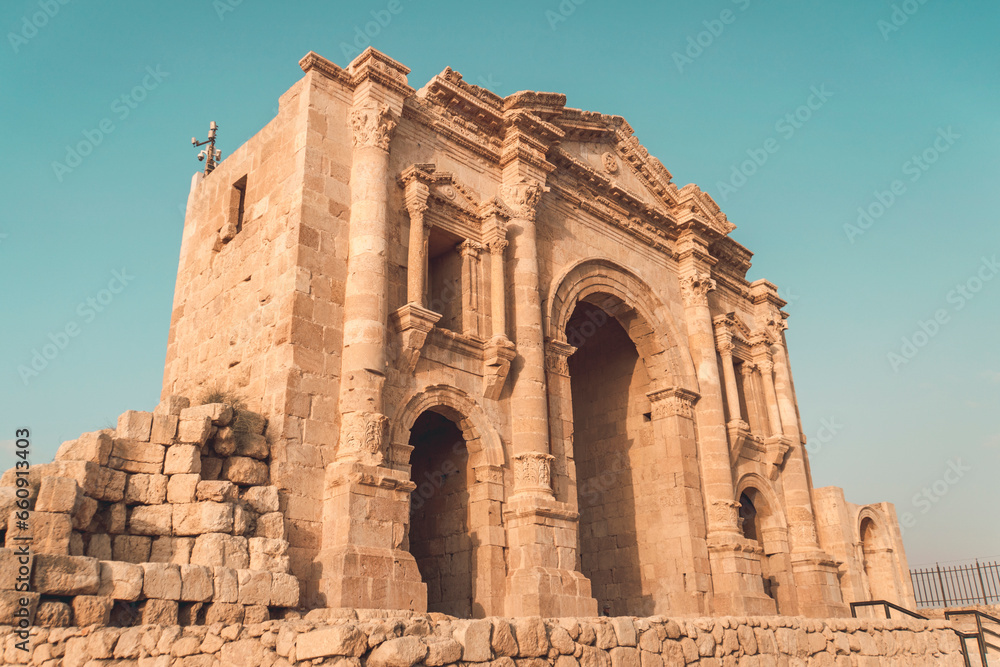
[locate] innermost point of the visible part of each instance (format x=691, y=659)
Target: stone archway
x=762, y=520
x=442, y=438
x=610, y=340
x=876, y=557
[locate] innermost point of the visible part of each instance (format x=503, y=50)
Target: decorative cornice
x=314, y=61
x=373, y=65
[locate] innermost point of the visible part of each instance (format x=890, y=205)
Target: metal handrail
x=886, y=605
x=980, y=633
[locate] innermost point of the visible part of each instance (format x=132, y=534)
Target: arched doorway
x=439, y=537
x=760, y=522
x=611, y=427
x=876, y=562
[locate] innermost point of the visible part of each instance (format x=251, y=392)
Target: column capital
x=695, y=288
x=673, y=401
x=557, y=354
x=747, y=369
x=522, y=197
x=415, y=195
x=372, y=125
x=533, y=471
x=470, y=248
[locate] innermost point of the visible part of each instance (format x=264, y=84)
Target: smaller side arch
x=482, y=439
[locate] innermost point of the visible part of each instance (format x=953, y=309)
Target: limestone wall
x=438, y=640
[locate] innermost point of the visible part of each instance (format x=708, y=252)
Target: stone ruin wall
x=326, y=637
x=167, y=519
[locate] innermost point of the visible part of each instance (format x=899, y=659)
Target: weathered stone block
x=532, y=640
x=197, y=583
x=245, y=471
x=50, y=532
x=345, y=640
x=219, y=414
x=225, y=613
x=131, y=548
x=474, y=636
x=65, y=575
x=195, y=430
x=150, y=519
x=15, y=567
x=263, y=499
x=92, y=610
x=54, y=614
x=254, y=587
x=161, y=581
x=135, y=425
x=11, y=603
x=442, y=651
x=120, y=580
x=94, y=480
x=172, y=405
x=221, y=549
x=159, y=612
x=145, y=489
x=226, y=584
x=398, y=652
x=136, y=456
x=224, y=442
x=203, y=517
x=175, y=550
x=284, y=590
x=99, y=547
x=182, y=459
x=94, y=447
x=220, y=491
x=271, y=525
x=164, y=429
x=84, y=511
x=253, y=445
x=57, y=494
x=268, y=554
x=182, y=489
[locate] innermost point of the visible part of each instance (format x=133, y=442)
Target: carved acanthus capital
x=723, y=514
x=673, y=402
x=498, y=247
x=416, y=195
x=372, y=125
x=533, y=470
x=695, y=289
x=364, y=435
x=470, y=248
x=747, y=370
x=775, y=327
x=522, y=198
x=557, y=354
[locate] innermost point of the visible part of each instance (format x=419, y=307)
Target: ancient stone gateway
x=508, y=366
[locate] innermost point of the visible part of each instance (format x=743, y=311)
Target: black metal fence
x=937, y=586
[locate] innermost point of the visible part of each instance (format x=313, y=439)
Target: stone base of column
x=736, y=578
x=362, y=563
x=817, y=585
x=543, y=579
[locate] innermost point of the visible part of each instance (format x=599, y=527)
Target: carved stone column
x=470, y=286
x=737, y=428
x=500, y=351
x=416, y=206
x=361, y=563
x=498, y=287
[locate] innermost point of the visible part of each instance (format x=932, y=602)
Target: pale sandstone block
x=245, y=471
x=99, y=547
x=131, y=548
x=263, y=499
x=197, y=583
x=120, y=580
x=203, y=517
x=502, y=641
x=136, y=456
x=164, y=429
x=624, y=656
x=151, y=520
x=135, y=425
x=442, y=651
x=345, y=640
x=254, y=587
x=211, y=467
x=14, y=563
x=474, y=636
x=57, y=494
x=10, y=603
x=220, y=491
x=182, y=459
x=256, y=613
x=218, y=413
x=271, y=525
x=115, y=518
x=398, y=652
x=243, y=520
x=268, y=554
x=224, y=442
x=94, y=480
x=94, y=447
x=160, y=613
x=253, y=445
x=284, y=590
x=224, y=613
x=226, y=584
x=92, y=610
x=84, y=511
x=182, y=489
x=175, y=550
x=53, y=614
x=194, y=431
x=221, y=549
x=161, y=581
x=145, y=489
x=532, y=640
x=172, y=405
x=50, y=532
x=65, y=575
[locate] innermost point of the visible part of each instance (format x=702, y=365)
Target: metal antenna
x=212, y=154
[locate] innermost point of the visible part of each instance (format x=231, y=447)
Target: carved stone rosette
x=372, y=125
x=533, y=471
x=695, y=289
x=522, y=198
x=365, y=436
x=673, y=402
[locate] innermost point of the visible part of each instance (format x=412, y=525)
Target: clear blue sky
x=879, y=96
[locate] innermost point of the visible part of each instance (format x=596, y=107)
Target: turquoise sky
x=793, y=115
